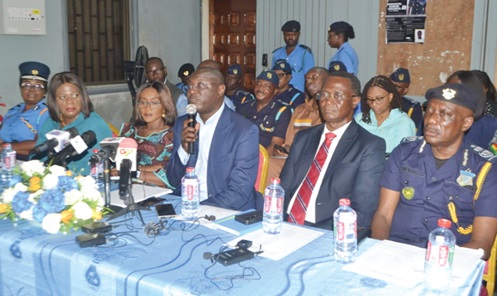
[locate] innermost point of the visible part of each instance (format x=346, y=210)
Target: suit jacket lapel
x=344, y=145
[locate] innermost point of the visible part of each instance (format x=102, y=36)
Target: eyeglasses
x=156, y=71
x=64, y=98
x=145, y=104
x=378, y=100
x=200, y=86
x=36, y=87
x=281, y=75
x=336, y=96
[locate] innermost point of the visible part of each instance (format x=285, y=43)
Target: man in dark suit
x=226, y=145
x=350, y=168
x=155, y=70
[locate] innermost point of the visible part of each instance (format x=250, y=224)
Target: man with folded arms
x=438, y=176
x=333, y=160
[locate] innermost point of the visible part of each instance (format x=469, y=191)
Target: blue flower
x=52, y=201
x=39, y=213
x=67, y=184
x=20, y=202
x=14, y=180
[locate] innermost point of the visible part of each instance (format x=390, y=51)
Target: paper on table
x=140, y=192
x=278, y=246
x=403, y=264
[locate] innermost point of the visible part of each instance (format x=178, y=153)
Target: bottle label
x=439, y=255
x=9, y=160
x=346, y=225
x=190, y=187
x=275, y=207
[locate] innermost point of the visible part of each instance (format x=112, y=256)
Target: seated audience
x=333, y=160
x=382, y=113
x=22, y=122
x=305, y=116
x=183, y=100
x=490, y=93
x=402, y=80
x=155, y=70
x=270, y=115
x=483, y=132
x=226, y=154
x=440, y=176
x=337, y=66
x=234, y=90
x=70, y=106
x=184, y=73
x=153, y=131
x=287, y=93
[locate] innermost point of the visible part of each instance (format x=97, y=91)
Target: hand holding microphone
x=189, y=133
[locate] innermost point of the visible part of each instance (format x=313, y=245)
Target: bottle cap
x=277, y=180
x=444, y=223
x=190, y=170
x=344, y=202
x=95, y=150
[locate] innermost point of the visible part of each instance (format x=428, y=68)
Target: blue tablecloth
x=35, y=263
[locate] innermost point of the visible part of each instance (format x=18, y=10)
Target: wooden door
x=232, y=32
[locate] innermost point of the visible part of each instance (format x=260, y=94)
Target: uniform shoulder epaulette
x=277, y=49
x=411, y=139
x=412, y=101
x=484, y=153
x=306, y=47
x=16, y=106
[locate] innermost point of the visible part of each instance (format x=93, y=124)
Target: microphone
x=210, y=217
x=124, y=178
x=153, y=229
x=126, y=150
x=191, y=112
x=56, y=139
x=109, y=147
x=77, y=146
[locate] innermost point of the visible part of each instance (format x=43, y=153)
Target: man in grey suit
x=350, y=168
x=155, y=70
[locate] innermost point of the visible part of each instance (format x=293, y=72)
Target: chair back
x=489, y=273
x=260, y=182
x=113, y=129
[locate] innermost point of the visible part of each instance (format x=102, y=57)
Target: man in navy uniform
x=297, y=55
x=22, y=122
x=184, y=73
x=438, y=176
x=234, y=90
x=402, y=79
x=287, y=93
x=270, y=115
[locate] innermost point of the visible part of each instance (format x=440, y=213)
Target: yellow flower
x=66, y=216
x=4, y=208
x=69, y=173
x=34, y=184
x=97, y=215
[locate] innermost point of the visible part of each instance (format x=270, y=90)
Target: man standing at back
x=297, y=55
x=226, y=147
x=333, y=160
x=155, y=70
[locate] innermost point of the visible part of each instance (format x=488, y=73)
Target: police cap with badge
x=185, y=70
x=34, y=70
x=282, y=65
x=337, y=66
x=291, y=26
x=401, y=75
x=458, y=94
x=270, y=76
x=235, y=69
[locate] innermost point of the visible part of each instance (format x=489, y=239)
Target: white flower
x=72, y=197
x=28, y=215
x=8, y=195
x=82, y=210
x=51, y=223
x=50, y=181
x=86, y=182
x=33, y=166
x=33, y=197
x=20, y=187
x=57, y=170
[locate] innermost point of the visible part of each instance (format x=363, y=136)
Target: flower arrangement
x=51, y=196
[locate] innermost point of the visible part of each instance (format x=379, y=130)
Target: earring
x=163, y=114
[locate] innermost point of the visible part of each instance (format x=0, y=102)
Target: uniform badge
x=448, y=93
x=408, y=192
x=401, y=77
x=186, y=73
x=465, y=178
x=282, y=65
x=235, y=71
x=337, y=67
x=34, y=72
x=269, y=75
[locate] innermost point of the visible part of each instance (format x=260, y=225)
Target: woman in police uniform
x=22, y=122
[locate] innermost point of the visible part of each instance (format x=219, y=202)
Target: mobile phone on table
x=165, y=211
x=281, y=149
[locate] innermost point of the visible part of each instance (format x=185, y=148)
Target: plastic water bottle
x=190, y=195
x=439, y=256
x=272, y=218
x=8, y=163
x=345, y=232
x=97, y=172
